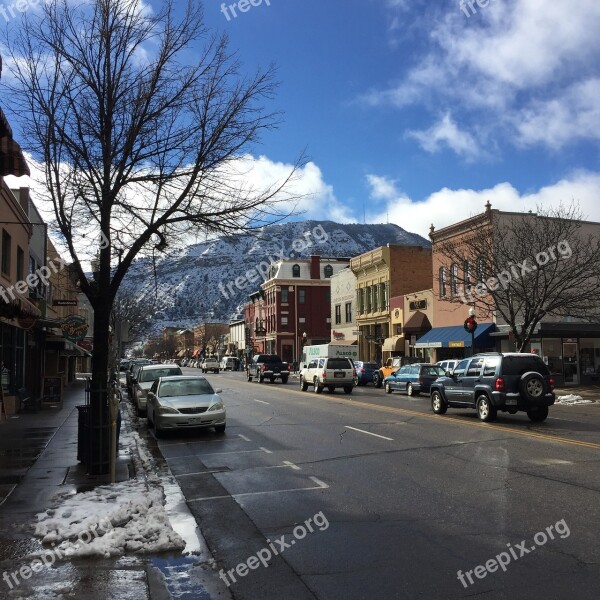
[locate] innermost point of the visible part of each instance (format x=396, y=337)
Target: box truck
x=328, y=351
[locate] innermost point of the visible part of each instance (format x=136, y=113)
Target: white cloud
x=504, y=71
x=446, y=133
x=446, y=206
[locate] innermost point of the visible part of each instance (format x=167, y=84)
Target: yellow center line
x=441, y=419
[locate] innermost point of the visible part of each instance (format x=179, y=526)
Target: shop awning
x=457, y=337
x=14, y=305
x=65, y=347
x=393, y=344
x=195, y=353
x=418, y=323
x=181, y=354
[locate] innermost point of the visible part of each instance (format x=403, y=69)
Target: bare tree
x=135, y=309
x=523, y=268
x=139, y=145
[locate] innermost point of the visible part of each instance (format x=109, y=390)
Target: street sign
x=369, y=337
x=64, y=302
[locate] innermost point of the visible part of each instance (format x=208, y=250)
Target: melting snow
x=572, y=399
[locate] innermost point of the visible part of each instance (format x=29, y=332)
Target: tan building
x=343, y=307
x=418, y=317
x=209, y=337
x=381, y=274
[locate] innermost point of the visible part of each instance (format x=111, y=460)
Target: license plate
x=339, y=374
x=511, y=401
x=194, y=420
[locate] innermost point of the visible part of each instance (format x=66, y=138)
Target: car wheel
x=377, y=380
x=532, y=386
x=220, y=428
x=261, y=378
x=331, y=388
x=539, y=414
x=157, y=431
x=347, y=389
x=217, y=371
x=272, y=379
x=388, y=388
x=284, y=380
x=356, y=382
x=248, y=376
x=485, y=411
x=303, y=384
x=317, y=386
x=409, y=390
x=150, y=420
x=438, y=405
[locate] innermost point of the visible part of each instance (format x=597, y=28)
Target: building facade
x=343, y=307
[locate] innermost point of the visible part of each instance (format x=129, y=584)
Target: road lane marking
x=261, y=401
x=320, y=486
x=246, y=439
x=369, y=433
x=448, y=419
x=261, y=449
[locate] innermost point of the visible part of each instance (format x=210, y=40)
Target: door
x=570, y=363
x=454, y=385
x=472, y=377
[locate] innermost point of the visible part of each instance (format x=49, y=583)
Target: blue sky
x=412, y=111
x=416, y=110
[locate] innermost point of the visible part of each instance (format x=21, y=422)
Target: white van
x=230, y=363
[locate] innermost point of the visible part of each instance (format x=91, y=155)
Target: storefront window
x=589, y=359
x=552, y=355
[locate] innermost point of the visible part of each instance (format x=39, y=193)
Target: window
x=383, y=304
x=348, y=312
x=20, y=263
x=284, y=295
x=442, y=277
x=375, y=298
x=489, y=368
x=480, y=269
x=460, y=368
x=454, y=279
x=296, y=271
x=475, y=367
x=369, y=297
x=301, y=296
x=467, y=273
x=284, y=321
x=338, y=314
x=328, y=271
x=6, y=247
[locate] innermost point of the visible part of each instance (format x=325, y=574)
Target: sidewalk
x=38, y=459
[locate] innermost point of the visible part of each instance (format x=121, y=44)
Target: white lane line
x=243, y=437
x=261, y=401
x=199, y=473
x=320, y=486
x=191, y=442
x=369, y=433
x=285, y=465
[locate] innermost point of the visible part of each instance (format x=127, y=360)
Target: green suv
x=509, y=382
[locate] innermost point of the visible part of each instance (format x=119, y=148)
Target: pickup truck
x=391, y=366
x=268, y=366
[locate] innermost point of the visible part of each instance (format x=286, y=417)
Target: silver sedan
x=184, y=402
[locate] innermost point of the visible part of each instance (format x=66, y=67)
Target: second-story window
x=301, y=296
x=328, y=271
x=348, y=312
x=442, y=281
x=296, y=271
x=20, y=263
x=6, y=248
x=454, y=279
x=338, y=314
x=284, y=295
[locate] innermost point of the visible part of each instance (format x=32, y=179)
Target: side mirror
x=449, y=373
x=134, y=380
x=218, y=391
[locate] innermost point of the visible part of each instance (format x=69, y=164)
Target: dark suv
x=509, y=382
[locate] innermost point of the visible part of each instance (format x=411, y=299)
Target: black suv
x=509, y=382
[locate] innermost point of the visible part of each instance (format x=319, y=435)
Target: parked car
x=490, y=382
x=413, y=379
x=134, y=365
x=268, y=366
x=447, y=365
x=210, y=363
x=186, y=402
x=330, y=373
x=143, y=380
x=230, y=363
x=391, y=366
x=124, y=364
x=365, y=372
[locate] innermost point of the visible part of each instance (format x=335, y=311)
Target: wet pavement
x=38, y=460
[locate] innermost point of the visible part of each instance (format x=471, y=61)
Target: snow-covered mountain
x=191, y=284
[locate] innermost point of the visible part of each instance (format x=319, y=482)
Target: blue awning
x=457, y=337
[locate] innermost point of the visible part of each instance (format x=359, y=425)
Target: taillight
x=361, y=370
x=289, y=367
x=324, y=375
x=263, y=368
x=499, y=384
x=354, y=372
x=551, y=382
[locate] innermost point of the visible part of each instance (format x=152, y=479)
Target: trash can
x=83, y=433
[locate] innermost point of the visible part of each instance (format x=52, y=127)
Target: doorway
x=570, y=363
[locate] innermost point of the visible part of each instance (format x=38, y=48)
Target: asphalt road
x=400, y=499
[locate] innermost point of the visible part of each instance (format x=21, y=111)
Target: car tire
x=538, y=414
x=248, y=376
x=409, y=390
x=485, y=410
x=377, y=382
x=220, y=428
x=331, y=389
x=348, y=389
x=356, y=382
x=261, y=378
x=317, y=386
x=157, y=431
x=438, y=405
x=303, y=384
x=217, y=371
x=532, y=386
x=284, y=379
x=388, y=388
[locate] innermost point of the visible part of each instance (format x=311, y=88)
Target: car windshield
x=185, y=387
x=147, y=375
x=433, y=371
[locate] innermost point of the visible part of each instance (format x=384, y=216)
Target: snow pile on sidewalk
x=572, y=399
x=110, y=520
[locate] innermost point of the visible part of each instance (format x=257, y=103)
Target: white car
x=447, y=365
x=210, y=364
x=143, y=380
x=330, y=373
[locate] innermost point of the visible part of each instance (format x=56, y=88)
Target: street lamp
x=470, y=326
